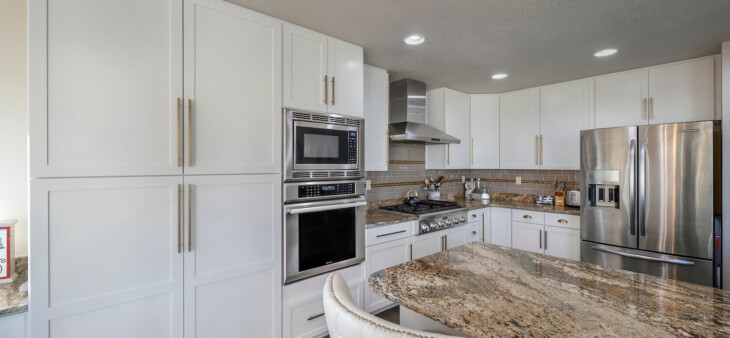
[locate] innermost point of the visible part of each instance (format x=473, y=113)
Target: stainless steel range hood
x=408, y=115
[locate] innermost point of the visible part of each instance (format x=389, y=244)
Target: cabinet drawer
x=525, y=216
x=474, y=233
x=306, y=318
x=387, y=233
x=475, y=215
x=562, y=221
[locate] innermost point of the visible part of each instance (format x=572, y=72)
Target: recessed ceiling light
x=605, y=52
x=499, y=76
x=415, y=39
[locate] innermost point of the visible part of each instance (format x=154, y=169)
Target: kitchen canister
x=7, y=251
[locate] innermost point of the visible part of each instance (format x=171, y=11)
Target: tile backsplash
x=407, y=170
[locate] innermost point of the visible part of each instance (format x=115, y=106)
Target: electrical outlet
x=518, y=180
x=368, y=185
x=463, y=179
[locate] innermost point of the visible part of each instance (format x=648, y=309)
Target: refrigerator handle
x=648, y=258
x=632, y=187
x=642, y=187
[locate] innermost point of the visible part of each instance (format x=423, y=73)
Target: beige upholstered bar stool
x=346, y=320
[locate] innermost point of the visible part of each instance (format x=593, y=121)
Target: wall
x=407, y=170
x=13, y=120
x=726, y=165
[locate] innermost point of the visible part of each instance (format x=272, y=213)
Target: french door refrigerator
x=651, y=200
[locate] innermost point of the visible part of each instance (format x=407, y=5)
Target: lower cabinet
x=13, y=326
x=501, y=226
x=527, y=236
x=379, y=257
x=558, y=241
x=427, y=244
x=455, y=237
x=479, y=226
x=562, y=242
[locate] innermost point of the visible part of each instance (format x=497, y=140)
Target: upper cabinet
x=484, y=131
x=676, y=92
x=321, y=73
x=519, y=129
x=376, y=118
x=232, y=90
x=564, y=112
x=448, y=110
x=105, y=88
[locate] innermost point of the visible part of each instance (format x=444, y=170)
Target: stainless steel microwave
x=321, y=146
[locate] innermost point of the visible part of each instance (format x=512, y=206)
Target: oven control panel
x=352, y=147
x=319, y=190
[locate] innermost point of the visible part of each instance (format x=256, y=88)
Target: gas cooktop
x=423, y=207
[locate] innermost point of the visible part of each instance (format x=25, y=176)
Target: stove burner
x=423, y=207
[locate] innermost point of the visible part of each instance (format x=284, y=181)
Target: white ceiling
x=536, y=41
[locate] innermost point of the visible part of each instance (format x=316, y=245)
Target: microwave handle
x=327, y=207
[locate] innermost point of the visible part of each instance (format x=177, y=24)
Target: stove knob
x=448, y=222
x=434, y=226
x=462, y=219
x=456, y=220
x=441, y=224
x=424, y=227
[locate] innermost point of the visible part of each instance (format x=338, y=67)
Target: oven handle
x=326, y=207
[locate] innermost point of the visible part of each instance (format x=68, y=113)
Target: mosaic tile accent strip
x=406, y=162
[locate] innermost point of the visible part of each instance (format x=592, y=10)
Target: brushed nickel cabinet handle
x=545, y=240
x=562, y=221
x=333, y=90
x=190, y=132
x=179, y=219
x=446, y=242
x=179, y=136
x=643, y=109
x=325, y=89
x=190, y=217
x=541, y=156
x=537, y=160
x=651, y=108
x=473, y=232
x=442, y=243
x=484, y=235
x=315, y=316
x=391, y=233
x=474, y=215
x=539, y=240
x=527, y=217
x=448, y=154
x=410, y=255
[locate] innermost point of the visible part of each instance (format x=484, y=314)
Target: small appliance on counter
x=547, y=200
x=559, y=194
x=572, y=198
x=433, y=186
x=7, y=251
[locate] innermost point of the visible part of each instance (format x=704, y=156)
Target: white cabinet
x=104, y=81
x=621, y=99
x=501, y=226
x=455, y=237
x=474, y=233
x=321, y=73
x=519, y=128
x=448, y=110
x=562, y=242
x=682, y=92
x=564, y=112
x=527, y=236
x=484, y=131
x=13, y=326
x=428, y=244
x=376, y=117
x=379, y=257
x=232, y=248
x=128, y=234
x=232, y=90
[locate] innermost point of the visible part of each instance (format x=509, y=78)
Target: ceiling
x=536, y=42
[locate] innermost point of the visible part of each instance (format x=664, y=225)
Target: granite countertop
x=487, y=290
x=532, y=206
x=12, y=301
x=376, y=218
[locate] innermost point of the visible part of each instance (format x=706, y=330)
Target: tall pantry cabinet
x=135, y=229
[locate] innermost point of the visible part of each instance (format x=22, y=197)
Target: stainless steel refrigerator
x=651, y=200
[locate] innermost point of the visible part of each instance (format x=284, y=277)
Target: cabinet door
x=682, y=92
x=487, y=225
x=474, y=233
x=105, y=78
x=527, y=236
x=126, y=234
x=455, y=237
x=425, y=245
x=562, y=242
x=376, y=118
x=458, y=156
x=13, y=326
x=305, y=68
x=232, y=227
x=484, y=131
x=501, y=226
x=519, y=118
x=233, y=90
x=344, y=66
x=564, y=112
x=621, y=99
x=379, y=257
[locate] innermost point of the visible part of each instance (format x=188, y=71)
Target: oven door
x=324, y=146
x=323, y=236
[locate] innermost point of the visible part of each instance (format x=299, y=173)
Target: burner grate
x=423, y=207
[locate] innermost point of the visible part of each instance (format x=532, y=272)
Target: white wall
x=726, y=165
x=13, y=120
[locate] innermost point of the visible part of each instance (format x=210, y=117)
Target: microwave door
x=319, y=146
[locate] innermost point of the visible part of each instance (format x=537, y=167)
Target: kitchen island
x=486, y=290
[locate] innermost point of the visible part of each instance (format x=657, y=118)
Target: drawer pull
x=562, y=221
x=474, y=215
x=527, y=217
x=315, y=316
x=392, y=233
x=473, y=232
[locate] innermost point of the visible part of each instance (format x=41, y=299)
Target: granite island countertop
x=12, y=301
x=486, y=290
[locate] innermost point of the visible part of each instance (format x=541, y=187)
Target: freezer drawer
x=691, y=270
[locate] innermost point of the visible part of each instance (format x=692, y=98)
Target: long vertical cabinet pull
x=333, y=90
x=446, y=242
x=539, y=240
x=179, y=136
x=190, y=132
x=643, y=109
x=448, y=154
x=472, y=151
x=537, y=157
x=325, y=89
x=651, y=108
x=541, y=156
x=179, y=218
x=190, y=217
x=484, y=235
x=410, y=252
x=545, y=246
x=387, y=148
